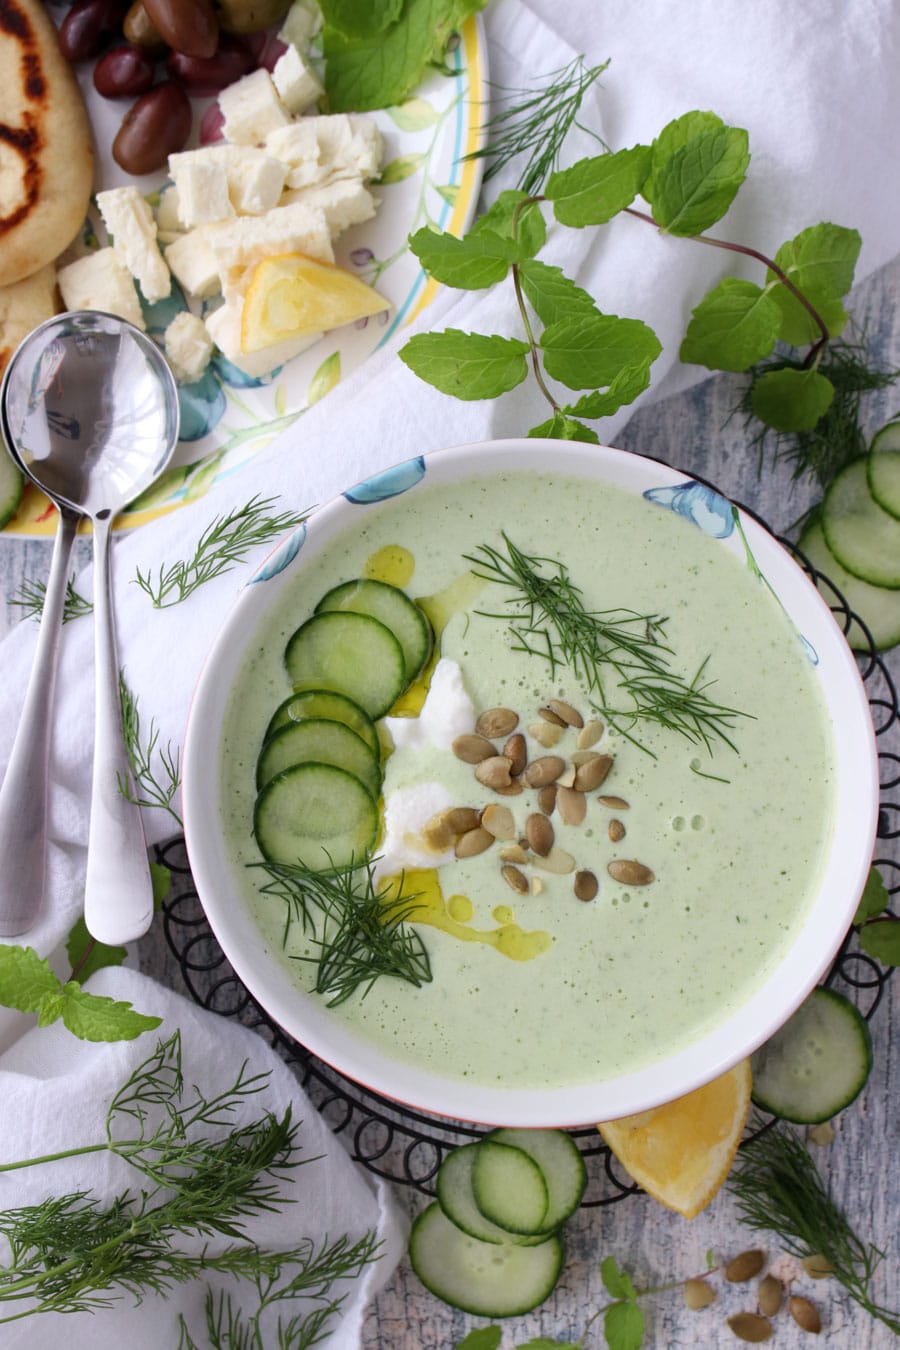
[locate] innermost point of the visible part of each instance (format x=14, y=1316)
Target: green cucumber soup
x=542, y=984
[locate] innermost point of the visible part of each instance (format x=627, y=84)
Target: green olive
x=249, y=16
x=139, y=28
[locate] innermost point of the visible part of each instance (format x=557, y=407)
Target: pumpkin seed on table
x=698, y=1294
x=770, y=1294
x=750, y=1327
x=496, y=722
x=744, y=1266
x=805, y=1314
x=472, y=749
x=817, y=1267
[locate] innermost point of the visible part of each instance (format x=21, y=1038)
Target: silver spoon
x=89, y=410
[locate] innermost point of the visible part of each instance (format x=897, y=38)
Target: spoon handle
x=118, y=896
x=23, y=797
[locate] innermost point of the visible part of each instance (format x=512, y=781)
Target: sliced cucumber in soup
x=877, y=606
x=817, y=1064
x=324, y=703
x=863, y=537
x=12, y=481
x=883, y=468
x=351, y=653
x=488, y=1279
x=510, y=1188
x=318, y=741
x=316, y=816
x=456, y=1197
x=394, y=609
x=562, y=1166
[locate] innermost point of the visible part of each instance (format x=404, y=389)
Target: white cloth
x=816, y=88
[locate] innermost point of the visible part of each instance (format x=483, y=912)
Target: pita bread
x=46, y=157
x=24, y=305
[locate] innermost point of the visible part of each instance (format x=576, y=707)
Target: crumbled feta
x=201, y=181
x=130, y=223
x=193, y=263
x=240, y=244
x=407, y=811
x=302, y=21
x=168, y=217
x=297, y=147
x=345, y=202
x=100, y=280
x=298, y=87
x=224, y=327
x=188, y=347
x=349, y=143
x=255, y=180
x=447, y=712
x=251, y=109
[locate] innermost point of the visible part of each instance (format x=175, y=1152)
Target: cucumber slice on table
x=456, y=1198
x=353, y=654
x=317, y=816
x=488, y=1279
x=818, y=1062
x=878, y=607
x=863, y=537
x=394, y=609
x=12, y=481
x=883, y=468
x=509, y=1188
x=317, y=740
x=560, y=1161
x=324, y=703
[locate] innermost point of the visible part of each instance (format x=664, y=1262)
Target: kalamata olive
x=139, y=29
x=124, y=72
x=88, y=26
x=250, y=16
x=155, y=127
x=188, y=26
x=208, y=75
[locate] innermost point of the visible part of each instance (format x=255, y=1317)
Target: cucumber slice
x=560, y=1161
x=456, y=1198
x=509, y=1188
x=12, y=482
x=394, y=609
x=322, y=742
x=818, y=1062
x=324, y=703
x=878, y=607
x=317, y=816
x=863, y=537
x=883, y=468
x=353, y=654
x=488, y=1279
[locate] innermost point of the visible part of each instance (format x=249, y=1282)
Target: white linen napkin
x=815, y=87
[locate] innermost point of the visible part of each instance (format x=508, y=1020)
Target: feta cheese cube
x=298, y=87
x=251, y=109
x=201, y=181
x=194, y=264
x=188, y=347
x=302, y=21
x=100, y=280
x=345, y=202
x=350, y=144
x=297, y=147
x=168, y=217
x=238, y=245
x=130, y=222
x=255, y=180
x=224, y=327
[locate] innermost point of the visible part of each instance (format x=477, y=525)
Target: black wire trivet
x=406, y=1146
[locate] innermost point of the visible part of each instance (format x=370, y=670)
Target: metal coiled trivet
x=407, y=1146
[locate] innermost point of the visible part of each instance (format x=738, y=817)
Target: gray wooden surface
x=696, y=432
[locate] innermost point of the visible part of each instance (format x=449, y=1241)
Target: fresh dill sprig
x=548, y=618
x=31, y=595
x=360, y=931
x=72, y=1253
x=778, y=1189
x=151, y=790
x=225, y=542
x=539, y=122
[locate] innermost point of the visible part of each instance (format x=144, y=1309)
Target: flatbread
x=46, y=156
x=24, y=305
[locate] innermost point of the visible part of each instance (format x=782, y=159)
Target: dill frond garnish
x=31, y=595
x=613, y=653
x=778, y=1190
x=152, y=788
x=538, y=123
x=359, y=930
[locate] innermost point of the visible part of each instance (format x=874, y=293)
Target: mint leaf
x=530, y=227
x=51, y=1007
x=623, y=1326
x=791, y=399
x=25, y=978
x=93, y=1017
x=594, y=190
x=616, y=1282
x=591, y=350
x=472, y=263
x=695, y=186
x=551, y=294
x=881, y=939
x=820, y=261
x=674, y=136
x=467, y=365
x=365, y=70
x=356, y=20
x=874, y=899
x=630, y=382
x=734, y=326
x=87, y=955
x=483, y=1338
x=560, y=427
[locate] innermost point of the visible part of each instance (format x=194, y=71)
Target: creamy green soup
x=544, y=989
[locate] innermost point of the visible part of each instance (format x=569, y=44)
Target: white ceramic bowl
x=307, y=1019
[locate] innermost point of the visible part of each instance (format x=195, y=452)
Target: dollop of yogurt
x=447, y=712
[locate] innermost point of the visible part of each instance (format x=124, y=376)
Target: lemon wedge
x=291, y=295
x=682, y=1152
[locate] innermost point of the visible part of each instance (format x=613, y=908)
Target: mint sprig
x=879, y=931
x=28, y=984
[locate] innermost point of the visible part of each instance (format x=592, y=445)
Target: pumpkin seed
x=614, y=803
x=496, y=722
x=805, y=1314
x=589, y=735
x=494, y=772
x=460, y=819
x=498, y=821
x=817, y=1267
x=592, y=773
x=698, y=1294
x=629, y=872
x=515, y=879
x=547, y=799
x=511, y=789
x=822, y=1134
x=545, y=769
x=539, y=833
x=572, y=805
x=565, y=712
x=552, y=717
x=546, y=734
x=557, y=861
x=745, y=1266
x=515, y=751
x=750, y=1327
x=513, y=853
x=472, y=749
x=769, y=1295
x=616, y=831
x=585, y=885
x=473, y=842
x=536, y=885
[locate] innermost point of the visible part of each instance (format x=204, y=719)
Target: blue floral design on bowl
x=390, y=483
x=701, y=505
x=282, y=557
x=202, y=407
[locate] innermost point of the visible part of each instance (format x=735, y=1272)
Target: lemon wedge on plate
x=291, y=295
x=682, y=1152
